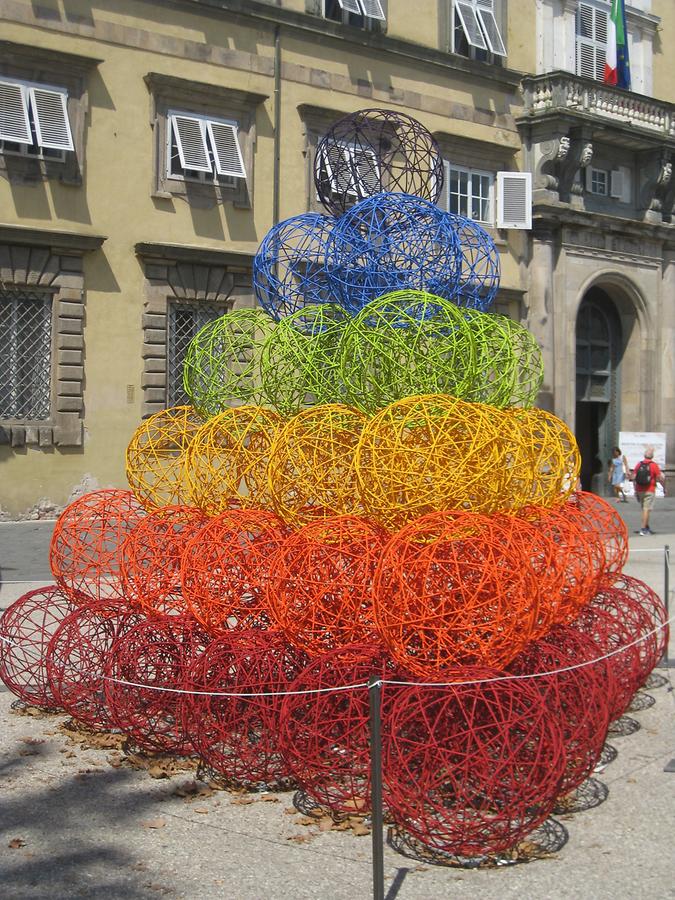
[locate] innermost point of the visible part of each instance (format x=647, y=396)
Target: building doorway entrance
x=598, y=350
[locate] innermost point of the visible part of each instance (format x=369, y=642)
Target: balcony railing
x=564, y=91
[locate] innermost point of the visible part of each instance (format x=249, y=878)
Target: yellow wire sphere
x=311, y=473
x=227, y=460
x=156, y=457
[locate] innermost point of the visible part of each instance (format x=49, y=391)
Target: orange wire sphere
x=85, y=553
x=601, y=522
x=227, y=460
x=156, y=457
x=151, y=558
x=225, y=566
x=311, y=471
x=320, y=586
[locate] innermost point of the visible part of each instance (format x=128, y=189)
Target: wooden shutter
x=190, y=137
x=491, y=32
x=592, y=28
x=365, y=171
x=50, y=117
x=351, y=6
x=468, y=19
x=620, y=184
x=226, y=149
x=373, y=9
x=514, y=200
x=14, y=121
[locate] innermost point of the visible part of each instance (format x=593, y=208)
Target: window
x=349, y=169
x=354, y=12
x=597, y=181
x=184, y=320
x=204, y=149
x=34, y=119
x=475, y=30
x=591, y=39
x=469, y=193
x=26, y=354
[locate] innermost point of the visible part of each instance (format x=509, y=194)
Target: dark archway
x=598, y=357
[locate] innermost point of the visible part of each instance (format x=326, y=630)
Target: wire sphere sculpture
x=300, y=360
x=222, y=363
x=576, y=695
x=456, y=589
x=471, y=768
x=392, y=242
x=26, y=628
x=324, y=736
x=225, y=567
x=77, y=655
x=238, y=737
x=311, y=471
x=651, y=603
x=228, y=457
x=151, y=558
x=146, y=669
x=321, y=580
x=85, y=553
x=376, y=150
x=290, y=268
x=156, y=457
x=406, y=343
x=480, y=271
x=602, y=523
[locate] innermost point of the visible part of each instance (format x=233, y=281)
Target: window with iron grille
x=184, y=320
x=26, y=355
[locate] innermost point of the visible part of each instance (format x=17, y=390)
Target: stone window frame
x=168, y=94
x=186, y=274
x=51, y=262
x=447, y=24
x=68, y=71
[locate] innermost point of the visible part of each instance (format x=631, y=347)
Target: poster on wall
x=633, y=444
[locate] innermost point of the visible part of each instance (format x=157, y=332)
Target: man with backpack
x=645, y=475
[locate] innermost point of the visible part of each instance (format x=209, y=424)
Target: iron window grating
x=184, y=320
x=26, y=352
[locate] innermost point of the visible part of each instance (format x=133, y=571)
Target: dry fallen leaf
x=154, y=823
x=360, y=830
x=15, y=843
x=269, y=798
x=201, y=809
x=242, y=801
x=300, y=838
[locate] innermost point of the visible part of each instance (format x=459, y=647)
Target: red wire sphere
x=577, y=695
x=653, y=606
x=471, y=769
x=599, y=519
x=86, y=547
x=238, y=737
x=225, y=566
x=145, y=677
x=321, y=579
x=77, y=654
x=26, y=628
x=325, y=734
x=151, y=558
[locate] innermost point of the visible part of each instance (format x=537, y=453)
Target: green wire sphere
x=222, y=363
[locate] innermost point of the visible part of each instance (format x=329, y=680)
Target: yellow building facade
x=147, y=148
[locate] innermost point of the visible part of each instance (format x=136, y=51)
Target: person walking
x=645, y=476
x=617, y=474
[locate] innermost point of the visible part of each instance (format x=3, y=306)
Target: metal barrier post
x=666, y=597
x=377, y=824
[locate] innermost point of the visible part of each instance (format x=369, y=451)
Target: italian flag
x=617, y=66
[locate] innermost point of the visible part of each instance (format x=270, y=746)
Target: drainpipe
x=277, y=124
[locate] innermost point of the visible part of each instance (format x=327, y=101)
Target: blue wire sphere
x=480, y=273
x=289, y=269
x=392, y=242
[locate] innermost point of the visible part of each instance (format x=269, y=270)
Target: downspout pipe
x=277, y=124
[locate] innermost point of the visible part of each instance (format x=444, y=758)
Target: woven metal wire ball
x=651, y=603
x=151, y=558
x=156, y=457
x=577, y=694
x=311, y=471
x=85, y=553
x=602, y=523
x=456, y=589
x=406, y=343
x=320, y=587
x=238, y=737
x=479, y=275
x=228, y=457
x=300, y=360
x=289, y=269
x=392, y=242
x=225, y=567
x=222, y=363
x=376, y=150
x=471, y=769
x=146, y=671
x=325, y=737
x=26, y=627
x=77, y=656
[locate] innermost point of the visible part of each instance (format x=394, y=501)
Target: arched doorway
x=598, y=357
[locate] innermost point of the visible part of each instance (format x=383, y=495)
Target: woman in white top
x=617, y=473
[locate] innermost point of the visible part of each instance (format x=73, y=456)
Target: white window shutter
x=514, y=200
x=620, y=184
x=468, y=19
x=589, y=178
x=443, y=199
x=586, y=66
x=493, y=36
x=373, y=9
x=50, y=116
x=14, y=121
x=190, y=136
x=351, y=6
x=226, y=149
x=366, y=172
